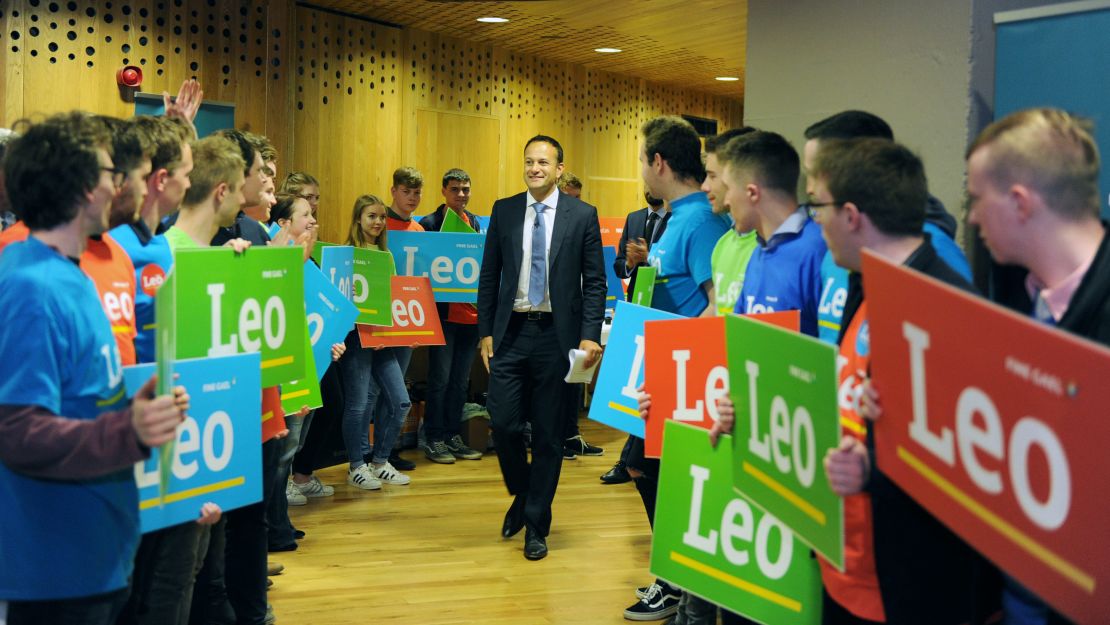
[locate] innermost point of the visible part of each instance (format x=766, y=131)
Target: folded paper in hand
x=579, y=373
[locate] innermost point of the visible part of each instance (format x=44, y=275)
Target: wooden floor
x=431, y=552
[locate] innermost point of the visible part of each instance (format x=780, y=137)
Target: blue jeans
x=277, y=512
x=448, y=380
x=372, y=378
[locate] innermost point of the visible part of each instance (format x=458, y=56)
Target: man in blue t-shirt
x=67, y=438
x=940, y=227
x=784, y=273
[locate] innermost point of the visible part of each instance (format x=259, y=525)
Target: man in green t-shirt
x=735, y=247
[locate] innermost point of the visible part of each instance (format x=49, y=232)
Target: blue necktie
x=537, y=275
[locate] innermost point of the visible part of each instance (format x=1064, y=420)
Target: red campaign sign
x=997, y=425
x=415, y=318
x=611, y=228
x=686, y=371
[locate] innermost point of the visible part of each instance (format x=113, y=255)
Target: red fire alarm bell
x=129, y=76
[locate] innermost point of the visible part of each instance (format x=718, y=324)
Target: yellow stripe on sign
x=266, y=416
x=120, y=329
x=369, y=311
x=854, y=426
x=277, y=362
x=404, y=333
x=625, y=409
x=149, y=326
x=1074, y=574
x=763, y=593
x=828, y=324
x=294, y=394
x=113, y=399
x=193, y=492
x=452, y=290
x=787, y=494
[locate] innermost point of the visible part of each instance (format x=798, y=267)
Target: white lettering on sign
x=737, y=524
x=360, y=290
x=981, y=439
x=315, y=327
x=630, y=389
x=404, y=314
x=442, y=268
x=252, y=319
x=190, y=440
x=716, y=387
x=756, y=309
x=832, y=300
x=795, y=431
x=344, y=284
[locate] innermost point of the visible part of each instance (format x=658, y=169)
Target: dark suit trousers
x=526, y=384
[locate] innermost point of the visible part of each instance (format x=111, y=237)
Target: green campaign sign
x=645, y=286
x=453, y=223
x=227, y=303
x=783, y=385
x=305, y=391
x=718, y=546
x=371, y=289
x=165, y=331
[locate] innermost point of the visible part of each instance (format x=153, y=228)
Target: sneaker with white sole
x=294, y=496
x=389, y=475
x=363, y=477
x=459, y=449
x=437, y=451
x=660, y=602
x=314, y=488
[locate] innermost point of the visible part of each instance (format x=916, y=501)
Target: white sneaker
x=363, y=478
x=294, y=496
x=386, y=473
x=314, y=488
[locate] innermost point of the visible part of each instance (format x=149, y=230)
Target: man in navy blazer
x=635, y=242
x=541, y=293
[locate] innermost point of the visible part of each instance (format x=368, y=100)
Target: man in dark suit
x=541, y=293
x=641, y=228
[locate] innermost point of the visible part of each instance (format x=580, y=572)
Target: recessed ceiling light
x=727, y=78
x=607, y=50
x=493, y=20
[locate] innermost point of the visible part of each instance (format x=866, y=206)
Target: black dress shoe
x=514, y=518
x=617, y=475
x=535, y=546
x=400, y=463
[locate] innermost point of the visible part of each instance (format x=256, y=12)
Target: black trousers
x=526, y=385
x=162, y=584
x=94, y=610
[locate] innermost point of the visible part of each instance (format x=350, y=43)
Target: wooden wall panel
x=347, y=119
x=67, y=55
x=346, y=99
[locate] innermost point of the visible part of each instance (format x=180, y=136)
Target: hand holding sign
x=155, y=418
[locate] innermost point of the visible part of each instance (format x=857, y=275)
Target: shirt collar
x=551, y=201
x=1057, y=297
x=393, y=215
x=791, y=227
x=658, y=212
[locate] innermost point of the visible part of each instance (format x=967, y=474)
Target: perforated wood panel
x=347, y=113
x=60, y=56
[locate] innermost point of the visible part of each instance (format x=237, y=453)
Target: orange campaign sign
x=415, y=318
x=611, y=229
x=686, y=371
x=997, y=425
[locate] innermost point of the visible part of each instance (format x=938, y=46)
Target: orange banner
x=686, y=371
x=415, y=318
x=997, y=425
x=611, y=228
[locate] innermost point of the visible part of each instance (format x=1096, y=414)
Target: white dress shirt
x=521, y=303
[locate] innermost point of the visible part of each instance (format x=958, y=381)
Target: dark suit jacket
x=576, y=273
x=635, y=227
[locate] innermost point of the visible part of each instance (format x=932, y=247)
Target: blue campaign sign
x=330, y=315
x=616, y=399
x=616, y=288
x=337, y=262
x=451, y=260
x=218, y=453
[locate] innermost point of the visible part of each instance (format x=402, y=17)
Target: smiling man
x=541, y=293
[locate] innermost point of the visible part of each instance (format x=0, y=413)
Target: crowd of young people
x=103, y=205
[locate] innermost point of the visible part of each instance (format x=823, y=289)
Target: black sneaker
x=437, y=451
x=458, y=449
x=568, y=453
x=579, y=447
x=661, y=601
x=400, y=463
